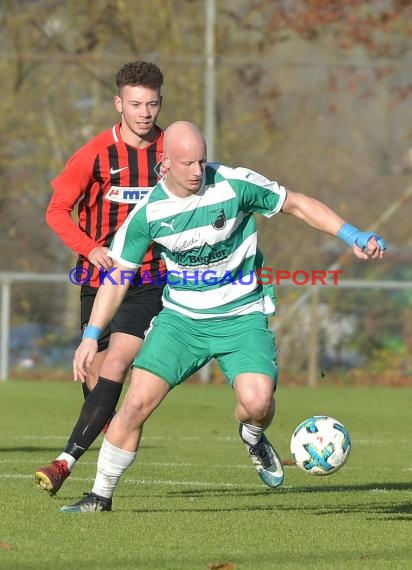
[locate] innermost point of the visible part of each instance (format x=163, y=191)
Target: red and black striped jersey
x=106, y=178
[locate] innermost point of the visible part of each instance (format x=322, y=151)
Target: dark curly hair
x=139, y=73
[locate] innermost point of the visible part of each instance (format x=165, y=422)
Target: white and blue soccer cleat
x=266, y=461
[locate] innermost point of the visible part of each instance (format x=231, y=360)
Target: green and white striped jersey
x=208, y=242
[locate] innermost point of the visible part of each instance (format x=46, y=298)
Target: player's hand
x=98, y=256
x=365, y=245
x=374, y=248
x=83, y=358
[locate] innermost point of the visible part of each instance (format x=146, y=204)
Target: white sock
x=251, y=434
x=71, y=461
x=111, y=464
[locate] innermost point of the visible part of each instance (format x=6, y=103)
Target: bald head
x=182, y=135
x=184, y=159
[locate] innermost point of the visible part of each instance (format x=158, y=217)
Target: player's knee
x=135, y=410
x=115, y=367
x=259, y=406
x=92, y=378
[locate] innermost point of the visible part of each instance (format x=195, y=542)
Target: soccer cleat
x=266, y=461
x=91, y=503
x=51, y=478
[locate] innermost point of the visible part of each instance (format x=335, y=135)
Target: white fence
x=309, y=298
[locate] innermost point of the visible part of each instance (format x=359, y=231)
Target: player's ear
x=118, y=104
x=165, y=161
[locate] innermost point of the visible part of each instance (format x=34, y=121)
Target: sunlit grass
x=193, y=498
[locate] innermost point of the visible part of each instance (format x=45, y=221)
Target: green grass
x=193, y=498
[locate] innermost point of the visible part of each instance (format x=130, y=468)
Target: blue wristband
x=91, y=331
x=351, y=235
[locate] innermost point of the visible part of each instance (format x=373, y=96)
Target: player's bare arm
x=365, y=245
x=108, y=299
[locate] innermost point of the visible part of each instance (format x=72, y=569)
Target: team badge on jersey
x=218, y=218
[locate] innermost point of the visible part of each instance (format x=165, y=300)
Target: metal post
x=5, y=330
x=313, y=339
x=210, y=109
x=210, y=79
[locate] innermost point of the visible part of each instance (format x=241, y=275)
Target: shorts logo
x=218, y=219
x=127, y=195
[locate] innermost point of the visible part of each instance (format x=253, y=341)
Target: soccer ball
x=320, y=445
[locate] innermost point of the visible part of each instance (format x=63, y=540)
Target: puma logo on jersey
x=166, y=225
x=116, y=170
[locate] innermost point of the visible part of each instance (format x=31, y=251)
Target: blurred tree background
x=315, y=94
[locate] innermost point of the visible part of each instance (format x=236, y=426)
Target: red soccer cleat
x=51, y=478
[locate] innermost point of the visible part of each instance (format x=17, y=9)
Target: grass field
x=193, y=501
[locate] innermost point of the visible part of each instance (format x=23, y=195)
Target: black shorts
x=137, y=309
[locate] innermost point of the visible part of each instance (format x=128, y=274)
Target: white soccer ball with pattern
x=320, y=445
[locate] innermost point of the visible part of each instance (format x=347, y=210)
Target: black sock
x=96, y=410
x=86, y=390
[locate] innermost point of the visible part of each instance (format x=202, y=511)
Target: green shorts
x=176, y=346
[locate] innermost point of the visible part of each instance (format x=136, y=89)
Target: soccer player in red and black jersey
x=106, y=178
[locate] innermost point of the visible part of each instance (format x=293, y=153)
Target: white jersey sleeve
x=255, y=192
x=132, y=239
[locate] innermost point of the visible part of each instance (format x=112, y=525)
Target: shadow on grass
x=43, y=448
x=52, y=448
x=388, y=511
x=241, y=491
x=374, y=511
x=400, y=512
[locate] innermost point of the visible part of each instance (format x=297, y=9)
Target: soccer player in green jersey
x=201, y=215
